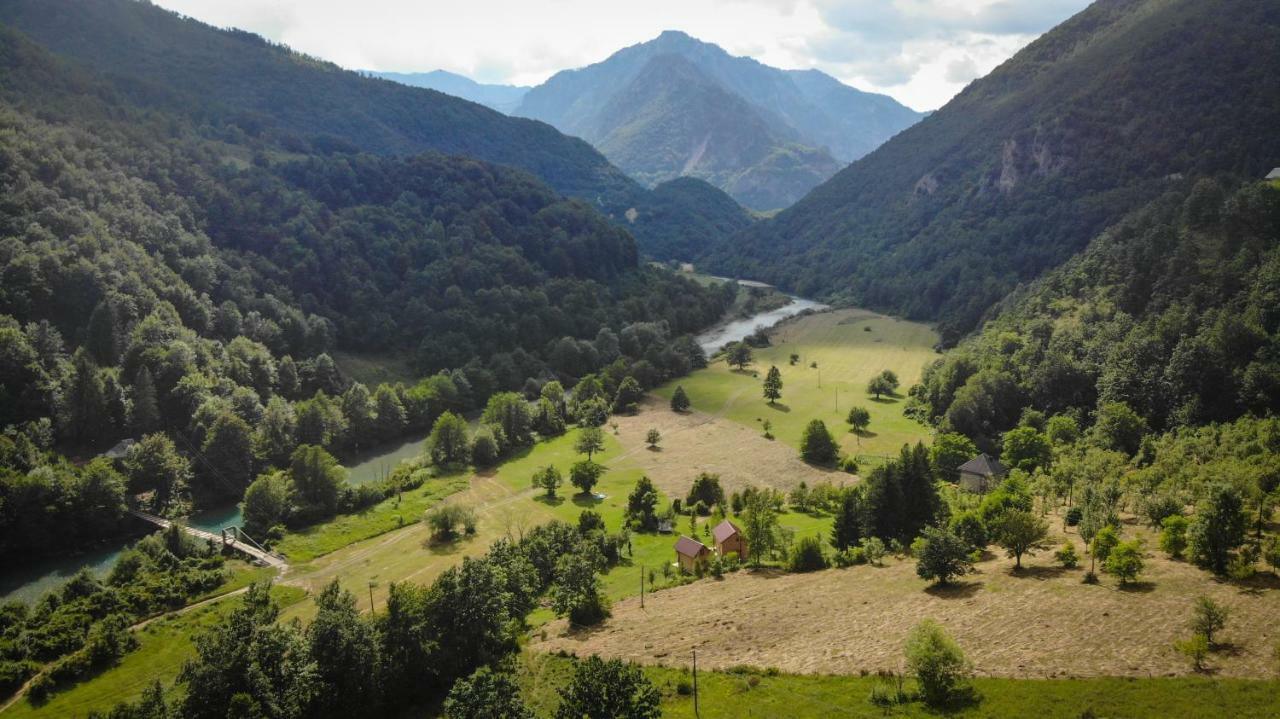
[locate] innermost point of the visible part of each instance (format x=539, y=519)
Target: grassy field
x=164, y=645
x=850, y=347
x=746, y=693
x=1042, y=622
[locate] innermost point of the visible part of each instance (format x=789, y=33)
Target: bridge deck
x=270, y=560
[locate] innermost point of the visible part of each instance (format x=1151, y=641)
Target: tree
x=448, y=443
x=1026, y=449
x=679, y=400
x=344, y=652
x=738, y=354
x=609, y=689
x=103, y=336
x=228, y=455
x=705, y=489
x=817, y=446
x=1173, y=535
x=448, y=520
x=1062, y=430
x=391, y=417
x=859, y=419
x=146, y=407
x=266, y=504
x=1118, y=428
x=939, y=665
x=807, y=556
x=1100, y=547
x=486, y=694
x=153, y=463
x=1021, y=533
x=317, y=478
x=584, y=474
x=949, y=451
x=760, y=525
x=276, y=435
x=970, y=527
x=1067, y=556
x=86, y=400
x=1208, y=617
x=943, y=556
x=357, y=408
x=773, y=385
x=884, y=383
x=846, y=530
x=628, y=397
x=576, y=591
x=653, y=437
x=548, y=478
x=642, y=504
x=510, y=412
x=589, y=441
x=1218, y=528
x=1124, y=561
x=486, y=447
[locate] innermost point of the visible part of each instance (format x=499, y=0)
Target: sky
x=921, y=52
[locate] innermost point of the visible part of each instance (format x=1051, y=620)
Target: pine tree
x=103, y=339
x=679, y=400
x=773, y=385
x=86, y=399
x=146, y=410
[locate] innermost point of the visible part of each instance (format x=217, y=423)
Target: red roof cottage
x=690, y=554
x=729, y=539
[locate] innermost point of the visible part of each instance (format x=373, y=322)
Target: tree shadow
x=780, y=407
x=1039, y=571
x=1226, y=649
x=586, y=500
x=954, y=590
x=555, y=501
x=766, y=572
x=864, y=433
x=1142, y=587
x=654, y=448
x=885, y=399
x=1257, y=584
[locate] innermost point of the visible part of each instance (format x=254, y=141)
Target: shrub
x=970, y=527
x=941, y=556
x=446, y=519
x=873, y=550
x=1074, y=515
x=1195, y=650
x=937, y=662
x=1208, y=618
x=807, y=555
x=1173, y=535
x=1067, y=556
x=1125, y=561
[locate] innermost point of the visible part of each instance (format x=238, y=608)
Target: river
x=736, y=330
x=30, y=581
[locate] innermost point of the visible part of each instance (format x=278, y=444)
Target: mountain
x=159, y=59
x=676, y=106
x=1021, y=169
x=503, y=98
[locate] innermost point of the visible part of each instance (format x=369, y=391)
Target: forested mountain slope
x=503, y=98
x=1169, y=319
x=677, y=106
x=164, y=274
x=160, y=60
x=1022, y=168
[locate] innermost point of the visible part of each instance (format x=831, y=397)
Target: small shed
x=729, y=539
x=691, y=554
x=981, y=473
x=1273, y=175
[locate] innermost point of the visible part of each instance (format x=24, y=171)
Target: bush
x=872, y=549
x=1074, y=515
x=970, y=527
x=1208, y=618
x=807, y=556
x=1125, y=561
x=1195, y=650
x=1173, y=535
x=446, y=519
x=938, y=664
x=1067, y=556
x=941, y=556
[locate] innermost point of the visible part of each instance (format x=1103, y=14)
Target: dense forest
x=1020, y=170
x=1170, y=317
x=161, y=61
x=161, y=272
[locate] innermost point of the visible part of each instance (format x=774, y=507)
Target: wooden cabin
x=981, y=474
x=691, y=554
x=729, y=539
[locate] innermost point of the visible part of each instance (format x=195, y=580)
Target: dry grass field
x=1041, y=623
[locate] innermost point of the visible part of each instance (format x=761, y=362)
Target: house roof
x=984, y=465
x=724, y=530
x=1274, y=174
x=120, y=449
x=690, y=547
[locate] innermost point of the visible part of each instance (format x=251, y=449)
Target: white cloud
x=920, y=51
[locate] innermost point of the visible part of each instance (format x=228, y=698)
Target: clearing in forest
x=849, y=347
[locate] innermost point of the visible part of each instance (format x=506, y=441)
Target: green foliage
x=1173, y=535
x=773, y=385
x=628, y=397
x=1217, y=529
x=1208, y=618
x=448, y=443
x=1103, y=542
x=584, y=474
x=943, y=557
x=705, y=489
x=969, y=527
x=575, y=592
x=1067, y=556
x=807, y=555
x=1026, y=449
x=760, y=525
x=738, y=354
x=949, y=451
x=448, y=521
x=846, y=528
x=642, y=505
x=608, y=689
x=1195, y=649
x=486, y=694
x=817, y=446
x=938, y=664
x=900, y=497
x=548, y=479
x=679, y=400
x=266, y=504
x=486, y=449
x=859, y=418
x=1124, y=561
x=1020, y=532
x=589, y=441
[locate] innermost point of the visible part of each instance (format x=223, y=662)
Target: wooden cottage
x=980, y=474
x=729, y=539
x=691, y=554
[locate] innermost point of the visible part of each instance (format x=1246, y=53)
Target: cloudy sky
x=919, y=51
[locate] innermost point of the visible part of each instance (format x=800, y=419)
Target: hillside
x=685, y=215
x=675, y=105
x=503, y=98
x=1025, y=166
x=158, y=59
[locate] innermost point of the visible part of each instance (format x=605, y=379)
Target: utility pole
x=695, y=683
x=642, y=586
x=837, y=400
x=372, y=584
